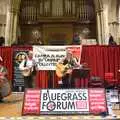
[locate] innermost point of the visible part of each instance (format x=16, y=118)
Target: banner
x=32, y=102
x=76, y=51
x=97, y=100
x=46, y=57
x=64, y=101
x=18, y=81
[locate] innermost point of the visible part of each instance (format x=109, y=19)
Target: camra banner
x=46, y=57
x=64, y=101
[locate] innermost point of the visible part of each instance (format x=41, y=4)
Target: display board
x=64, y=101
x=18, y=81
x=97, y=100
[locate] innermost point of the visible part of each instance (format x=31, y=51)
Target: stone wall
x=107, y=14
x=3, y=10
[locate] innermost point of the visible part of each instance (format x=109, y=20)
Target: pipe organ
x=56, y=21
x=40, y=10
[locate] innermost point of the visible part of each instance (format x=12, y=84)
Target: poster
x=18, y=80
x=97, y=100
x=76, y=51
x=114, y=93
x=32, y=102
x=64, y=101
x=46, y=57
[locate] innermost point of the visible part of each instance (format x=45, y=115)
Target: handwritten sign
x=32, y=102
x=97, y=101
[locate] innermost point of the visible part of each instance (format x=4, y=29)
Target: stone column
x=105, y=24
x=12, y=21
x=119, y=23
x=15, y=25
x=100, y=26
x=8, y=26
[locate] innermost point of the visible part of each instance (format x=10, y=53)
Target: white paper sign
x=66, y=100
x=46, y=57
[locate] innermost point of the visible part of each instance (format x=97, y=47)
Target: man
x=76, y=39
x=4, y=90
x=67, y=80
x=28, y=68
x=111, y=40
x=2, y=41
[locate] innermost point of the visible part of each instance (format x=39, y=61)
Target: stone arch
x=98, y=4
x=113, y=22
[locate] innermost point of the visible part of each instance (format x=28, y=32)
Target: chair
x=96, y=82
x=109, y=79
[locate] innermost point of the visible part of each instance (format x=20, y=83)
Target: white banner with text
x=46, y=57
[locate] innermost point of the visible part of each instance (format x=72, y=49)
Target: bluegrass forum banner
x=64, y=101
x=46, y=57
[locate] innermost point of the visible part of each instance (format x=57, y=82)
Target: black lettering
x=45, y=97
x=58, y=105
x=40, y=60
x=80, y=96
x=43, y=105
x=63, y=96
x=58, y=96
x=71, y=105
x=69, y=96
x=64, y=105
x=53, y=96
x=84, y=96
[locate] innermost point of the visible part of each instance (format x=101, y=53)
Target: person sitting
x=3, y=79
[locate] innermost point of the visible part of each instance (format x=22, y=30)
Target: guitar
x=62, y=70
x=26, y=72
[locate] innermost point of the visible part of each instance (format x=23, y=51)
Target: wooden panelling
x=30, y=34
x=56, y=20
x=57, y=33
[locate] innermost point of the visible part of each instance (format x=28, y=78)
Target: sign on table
x=64, y=101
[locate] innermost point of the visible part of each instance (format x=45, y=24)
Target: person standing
x=76, y=39
x=111, y=40
x=28, y=69
x=71, y=61
x=2, y=41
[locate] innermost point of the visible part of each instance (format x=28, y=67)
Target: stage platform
x=12, y=107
